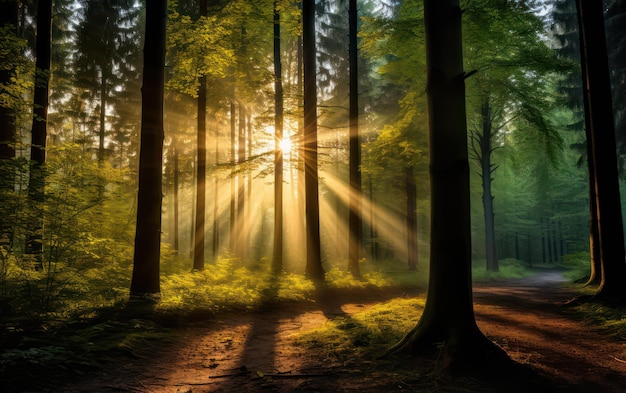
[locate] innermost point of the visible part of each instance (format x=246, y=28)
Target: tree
x=401, y=108
x=508, y=91
x=355, y=220
x=566, y=29
x=145, y=278
x=448, y=315
x=34, y=243
x=9, y=61
x=597, y=93
x=8, y=29
x=314, y=269
x=198, y=249
x=103, y=37
x=277, y=263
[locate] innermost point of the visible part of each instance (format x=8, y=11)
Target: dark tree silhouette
x=8, y=128
x=145, y=279
x=8, y=20
x=34, y=243
x=354, y=218
x=448, y=315
x=314, y=269
x=277, y=263
x=198, y=249
x=599, y=111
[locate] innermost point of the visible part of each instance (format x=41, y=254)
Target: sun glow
x=285, y=145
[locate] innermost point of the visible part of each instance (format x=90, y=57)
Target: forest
x=316, y=195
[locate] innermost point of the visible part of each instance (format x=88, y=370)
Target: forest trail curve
x=257, y=351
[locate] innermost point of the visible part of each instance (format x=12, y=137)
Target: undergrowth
x=368, y=333
x=509, y=268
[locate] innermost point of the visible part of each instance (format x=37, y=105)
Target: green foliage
x=577, y=265
x=196, y=48
x=509, y=268
x=83, y=264
x=368, y=333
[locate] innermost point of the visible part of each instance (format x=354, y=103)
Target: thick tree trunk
x=37, y=179
x=314, y=269
x=595, y=268
x=145, y=279
x=411, y=217
x=355, y=216
x=277, y=261
x=597, y=85
x=448, y=315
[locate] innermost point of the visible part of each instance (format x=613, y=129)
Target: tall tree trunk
x=314, y=269
x=241, y=186
x=487, y=168
x=597, y=87
x=595, y=268
x=198, y=253
x=277, y=260
x=8, y=131
x=145, y=279
x=448, y=315
x=411, y=217
x=176, y=201
x=216, y=219
x=355, y=215
x=34, y=244
x=198, y=249
x=8, y=17
x=300, y=143
x=103, y=103
x=233, y=195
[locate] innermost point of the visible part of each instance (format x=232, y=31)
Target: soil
x=256, y=351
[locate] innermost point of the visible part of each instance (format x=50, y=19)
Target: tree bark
x=314, y=269
x=198, y=249
x=277, y=261
x=176, y=197
x=487, y=168
x=8, y=17
x=448, y=315
x=355, y=235
x=37, y=178
x=8, y=132
x=240, y=246
x=597, y=87
x=595, y=259
x=145, y=278
x=233, y=196
x=216, y=219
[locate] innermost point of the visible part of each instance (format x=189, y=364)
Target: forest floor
x=258, y=350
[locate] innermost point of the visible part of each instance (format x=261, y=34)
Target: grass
x=93, y=319
x=365, y=334
x=509, y=268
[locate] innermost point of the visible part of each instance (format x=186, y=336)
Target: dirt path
x=528, y=319
x=255, y=352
